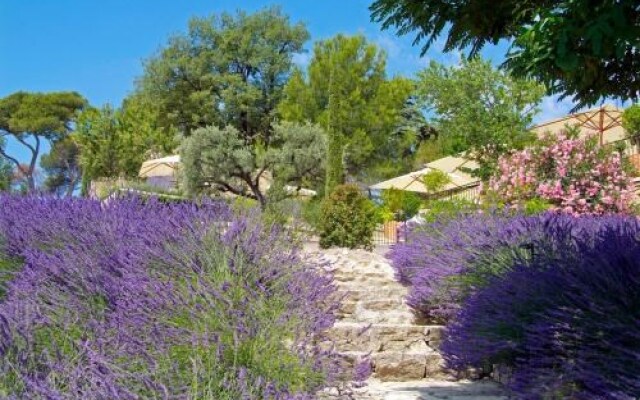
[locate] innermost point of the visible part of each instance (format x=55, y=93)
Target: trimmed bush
x=147, y=300
x=348, y=219
x=568, y=326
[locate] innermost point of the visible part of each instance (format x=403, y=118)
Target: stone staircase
x=375, y=322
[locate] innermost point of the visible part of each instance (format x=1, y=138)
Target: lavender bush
x=147, y=300
x=444, y=261
x=568, y=326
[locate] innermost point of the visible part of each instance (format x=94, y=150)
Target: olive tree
x=223, y=160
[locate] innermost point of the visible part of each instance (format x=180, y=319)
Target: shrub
x=568, y=326
x=536, y=206
x=348, y=219
x=575, y=175
x=312, y=212
x=401, y=203
x=150, y=300
x=435, y=180
x=241, y=204
x=283, y=212
x=439, y=210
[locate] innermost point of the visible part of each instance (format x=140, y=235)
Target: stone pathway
x=428, y=389
x=374, y=321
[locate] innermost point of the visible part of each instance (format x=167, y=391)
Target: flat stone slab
x=431, y=390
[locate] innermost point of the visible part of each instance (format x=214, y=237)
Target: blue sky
x=97, y=47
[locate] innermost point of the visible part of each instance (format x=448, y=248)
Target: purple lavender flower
x=567, y=322
x=443, y=262
x=149, y=300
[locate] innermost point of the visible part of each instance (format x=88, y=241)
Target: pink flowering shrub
x=575, y=175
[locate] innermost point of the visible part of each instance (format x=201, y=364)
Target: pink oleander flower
x=575, y=175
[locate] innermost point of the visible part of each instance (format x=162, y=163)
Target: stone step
x=376, y=325
x=402, y=366
x=373, y=293
x=406, y=366
x=349, y=307
x=400, y=317
x=382, y=304
x=430, y=389
x=365, y=280
x=373, y=270
x=374, y=338
x=377, y=285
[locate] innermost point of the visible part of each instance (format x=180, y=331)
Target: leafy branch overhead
x=577, y=48
x=435, y=180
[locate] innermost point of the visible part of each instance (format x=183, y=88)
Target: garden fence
x=389, y=233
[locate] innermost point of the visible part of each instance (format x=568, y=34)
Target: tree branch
x=36, y=150
x=262, y=171
x=232, y=189
x=8, y=157
x=31, y=148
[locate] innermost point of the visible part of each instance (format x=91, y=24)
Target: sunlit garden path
x=374, y=320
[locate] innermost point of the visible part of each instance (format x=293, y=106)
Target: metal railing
x=389, y=233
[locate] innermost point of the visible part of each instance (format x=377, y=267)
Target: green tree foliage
x=429, y=150
x=34, y=118
x=225, y=160
x=401, y=203
x=228, y=70
x=418, y=139
x=412, y=121
x=115, y=142
x=348, y=219
x=297, y=154
x=62, y=168
x=580, y=48
x=631, y=122
x=5, y=175
x=6, y=170
x=435, y=180
x=346, y=91
x=141, y=135
x=479, y=108
x=98, y=140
